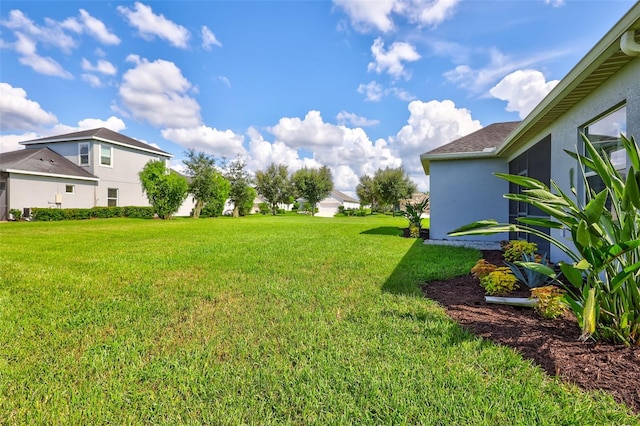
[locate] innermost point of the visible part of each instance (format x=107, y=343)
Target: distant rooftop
x=487, y=138
x=101, y=133
x=42, y=161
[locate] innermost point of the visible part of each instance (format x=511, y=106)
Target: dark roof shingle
x=100, y=133
x=42, y=160
x=486, y=138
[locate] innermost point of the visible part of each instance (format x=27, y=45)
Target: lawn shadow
x=393, y=231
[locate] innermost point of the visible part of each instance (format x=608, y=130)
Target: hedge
x=48, y=214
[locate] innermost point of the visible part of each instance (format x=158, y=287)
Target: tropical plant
x=413, y=212
x=499, y=282
x=15, y=214
x=605, y=257
x=530, y=276
x=515, y=250
x=550, y=303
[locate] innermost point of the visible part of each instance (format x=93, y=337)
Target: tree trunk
x=197, y=209
x=236, y=211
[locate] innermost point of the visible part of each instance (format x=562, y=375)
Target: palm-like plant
x=605, y=257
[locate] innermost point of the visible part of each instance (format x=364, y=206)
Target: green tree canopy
x=240, y=181
x=392, y=185
x=274, y=185
x=207, y=183
x=166, y=191
x=313, y=184
x=366, y=191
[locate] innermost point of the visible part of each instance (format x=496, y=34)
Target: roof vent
x=629, y=45
x=490, y=149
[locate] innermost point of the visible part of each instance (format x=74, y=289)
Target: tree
x=392, y=185
x=366, y=191
x=166, y=191
x=246, y=201
x=313, y=184
x=240, y=180
x=274, y=186
x=207, y=183
x=215, y=206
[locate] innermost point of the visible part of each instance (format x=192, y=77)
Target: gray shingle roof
x=342, y=196
x=486, y=138
x=42, y=160
x=101, y=133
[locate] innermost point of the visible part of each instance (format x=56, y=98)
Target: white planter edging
x=513, y=301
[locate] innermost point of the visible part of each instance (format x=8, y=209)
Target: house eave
x=54, y=175
x=602, y=61
x=426, y=158
x=96, y=138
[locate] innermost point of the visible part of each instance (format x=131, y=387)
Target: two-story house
x=83, y=169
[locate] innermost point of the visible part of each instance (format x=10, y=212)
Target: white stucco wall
x=126, y=163
x=465, y=191
x=39, y=191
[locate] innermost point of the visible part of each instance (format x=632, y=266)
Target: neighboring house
x=600, y=96
x=83, y=169
x=329, y=206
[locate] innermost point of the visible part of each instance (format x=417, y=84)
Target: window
x=604, y=133
x=112, y=197
x=106, y=154
x=70, y=189
x=83, y=153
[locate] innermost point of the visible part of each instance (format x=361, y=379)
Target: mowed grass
x=257, y=320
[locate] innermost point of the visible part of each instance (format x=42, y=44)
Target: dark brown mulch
x=552, y=344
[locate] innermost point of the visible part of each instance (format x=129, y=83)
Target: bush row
x=47, y=214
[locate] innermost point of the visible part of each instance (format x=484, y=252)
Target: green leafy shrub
x=263, y=208
x=48, y=214
x=482, y=268
x=550, y=301
x=605, y=257
x=515, y=250
x=414, y=231
x=16, y=214
x=499, y=282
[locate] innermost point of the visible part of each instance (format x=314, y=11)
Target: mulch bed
x=552, y=344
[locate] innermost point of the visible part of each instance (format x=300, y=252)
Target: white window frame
x=66, y=189
x=80, y=154
x=109, y=199
x=104, y=146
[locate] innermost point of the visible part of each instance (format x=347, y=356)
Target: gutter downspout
x=628, y=44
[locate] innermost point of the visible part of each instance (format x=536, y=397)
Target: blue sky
x=354, y=85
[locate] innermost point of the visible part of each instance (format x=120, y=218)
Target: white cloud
x=93, y=80
x=97, y=29
x=430, y=125
x=426, y=12
x=479, y=80
x=150, y=25
x=209, y=39
x=366, y=15
x=222, y=143
x=392, y=60
x=262, y=153
x=523, y=90
x=114, y=123
x=401, y=94
x=102, y=66
x=373, y=91
x=345, y=118
x=26, y=49
x=12, y=142
x=20, y=113
x=310, y=132
x=51, y=33
x=158, y=93
x=555, y=3
x=224, y=80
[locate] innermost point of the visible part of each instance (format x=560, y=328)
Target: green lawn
x=258, y=320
